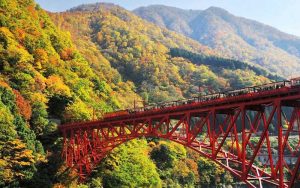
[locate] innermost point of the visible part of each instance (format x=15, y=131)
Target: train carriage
x=295, y=82
x=116, y=114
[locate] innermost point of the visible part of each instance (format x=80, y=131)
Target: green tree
x=211, y=174
x=78, y=110
x=7, y=127
x=39, y=119
x=129, y=166
x=16, y=163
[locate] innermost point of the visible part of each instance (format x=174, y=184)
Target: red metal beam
x=86, y=143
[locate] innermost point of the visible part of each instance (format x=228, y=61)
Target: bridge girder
x=236, y=135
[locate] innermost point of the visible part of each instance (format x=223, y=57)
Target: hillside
x=231, y=36
x=77, y=65
x=140, y=51
x=44, y=80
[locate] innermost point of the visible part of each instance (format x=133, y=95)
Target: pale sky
x=281, y=14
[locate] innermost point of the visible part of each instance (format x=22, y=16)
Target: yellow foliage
x=41, y=158
x=22, y=163
x=53, y=60
x=58, y=185
x=24, y=56
x=151, y=144
x=6, y=33
x=7, y=175
x=56, y=86
x=38, y=97
x=41, y=55
x=2, y=163
x=6, y=116
x=232, y=145
x=40, y=80
x=18, y=144
x=181, y=169
x=15, y=158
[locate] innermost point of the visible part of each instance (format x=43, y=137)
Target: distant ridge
x=93, y=7
x=232, y=36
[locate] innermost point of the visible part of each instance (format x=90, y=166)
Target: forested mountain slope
x=140, y=51
x=43, y=80
x=231, y=36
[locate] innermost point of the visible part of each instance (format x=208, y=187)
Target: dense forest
x=44, y=80
x=62, y=67
x=140, y=51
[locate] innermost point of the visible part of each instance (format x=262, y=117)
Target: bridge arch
x=256, y=125
x=85, y=163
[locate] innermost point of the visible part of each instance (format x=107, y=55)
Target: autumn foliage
x=115, y=59
x=23, y=105
x=66, y=54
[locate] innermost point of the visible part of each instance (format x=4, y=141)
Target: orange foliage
x=35, y=33
x=53, y=60
x=40, y=82
x=42, y=24
x=23, y=105
x=20, y=34
x=41, y=55
x=4, y=84
x=66, y=54
x=58, y=185
x=57, y=86
x=193, y=166
x=31, y=10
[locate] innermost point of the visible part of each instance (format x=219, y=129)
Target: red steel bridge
x=252, y=132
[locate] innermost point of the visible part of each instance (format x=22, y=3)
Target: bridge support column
x=243, y=157
x=280, y=148
x=212, y=134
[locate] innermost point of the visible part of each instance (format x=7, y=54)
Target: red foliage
x=23, y=105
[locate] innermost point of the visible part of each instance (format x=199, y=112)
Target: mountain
x=140, y=51
x=232, y=36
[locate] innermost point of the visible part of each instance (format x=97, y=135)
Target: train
x=116, y=114
x=295, y=82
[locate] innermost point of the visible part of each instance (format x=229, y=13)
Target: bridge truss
x=255, y=136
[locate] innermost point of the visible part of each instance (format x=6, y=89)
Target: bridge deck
x=253, y=100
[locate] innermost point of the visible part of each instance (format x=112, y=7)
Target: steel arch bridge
x=253, y=132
